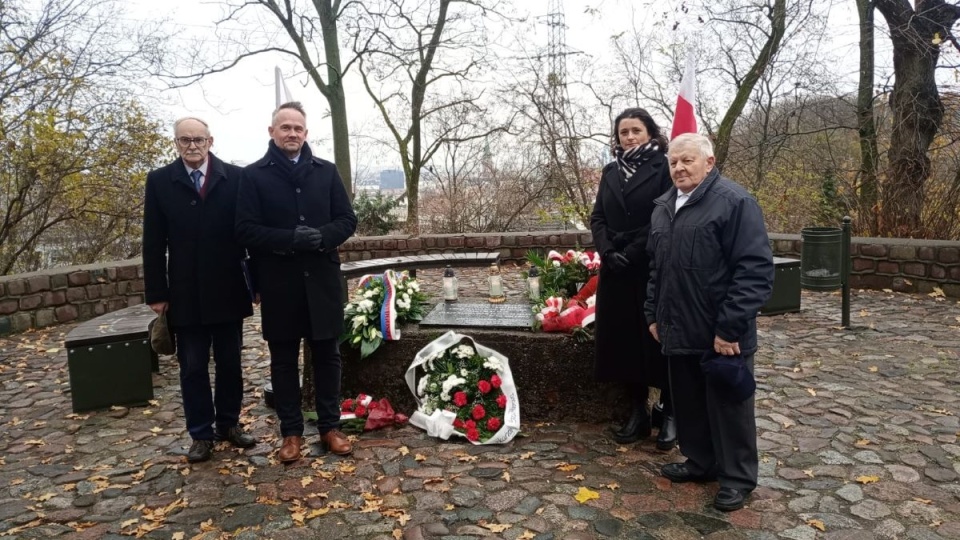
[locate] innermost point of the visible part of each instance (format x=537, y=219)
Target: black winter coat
x=301, y=293
x=191, y=257
x=626, y=352
x=712, y=268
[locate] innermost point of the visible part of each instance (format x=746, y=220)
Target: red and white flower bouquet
x=464, y=388
x=363, y=413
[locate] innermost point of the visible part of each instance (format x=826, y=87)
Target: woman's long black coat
x=301, y=293
x=191, y=257
x=626, y=352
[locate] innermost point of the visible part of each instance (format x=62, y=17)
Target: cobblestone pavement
x=858, y=433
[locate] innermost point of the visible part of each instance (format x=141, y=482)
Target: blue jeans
x=285, y=377
x=205, y=408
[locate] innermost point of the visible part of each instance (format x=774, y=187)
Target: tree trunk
x=866, y=127
x=335, y=96
x=778, y=27
x=917, y=109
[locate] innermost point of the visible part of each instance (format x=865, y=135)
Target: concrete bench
x=413, y=262
x=110, y=359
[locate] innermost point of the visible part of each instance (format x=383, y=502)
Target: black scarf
x=294, y=171
x=630, y=160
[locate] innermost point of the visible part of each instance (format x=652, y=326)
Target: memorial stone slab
x=479, y=315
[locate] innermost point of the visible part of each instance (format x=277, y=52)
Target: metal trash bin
x=821, y=258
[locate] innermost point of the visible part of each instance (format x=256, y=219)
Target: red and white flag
x=684, y=116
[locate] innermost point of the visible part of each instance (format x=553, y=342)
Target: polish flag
x=684, y=119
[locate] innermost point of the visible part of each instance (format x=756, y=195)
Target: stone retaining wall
x=902, y=265
x=65, y=294
x=62, y=295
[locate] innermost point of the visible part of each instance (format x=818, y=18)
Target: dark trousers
x=202, y=407
x=716, y=436
x=285, y=377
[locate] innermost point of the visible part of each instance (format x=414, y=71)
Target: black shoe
x=237, y=437
x=678, y=473
x=667, y=437
x=200, y=451
x=730, y=499
x=636, y=428
x=656, y=414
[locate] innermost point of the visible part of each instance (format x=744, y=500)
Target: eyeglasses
x=187, y=141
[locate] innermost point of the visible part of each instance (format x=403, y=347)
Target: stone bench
x=110, y=359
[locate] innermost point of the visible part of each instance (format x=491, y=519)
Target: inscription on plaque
x=484, y=315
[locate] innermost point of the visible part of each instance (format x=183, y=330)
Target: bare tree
x=412, y=55
x=917, y=33
x=866, y=126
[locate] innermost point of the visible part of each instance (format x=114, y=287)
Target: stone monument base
x=553, y=373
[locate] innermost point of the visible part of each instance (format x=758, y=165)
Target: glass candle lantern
x=450, y=285
x=533, y=283
x=496, y=285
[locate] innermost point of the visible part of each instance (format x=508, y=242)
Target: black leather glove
x=616, y=261
x=307, y=238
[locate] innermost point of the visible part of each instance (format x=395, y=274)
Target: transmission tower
x=557, y=60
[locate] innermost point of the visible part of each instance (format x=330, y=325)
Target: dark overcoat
x=191, y=257
x=301, y=292
x=714, y=268
x=626, y=352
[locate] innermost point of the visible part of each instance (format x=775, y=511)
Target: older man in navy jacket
x=711, y=272
x=192, y=272
x=292, y=213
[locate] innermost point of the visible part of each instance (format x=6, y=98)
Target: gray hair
x=176, y=125
x=295, y=105
x=698, y=142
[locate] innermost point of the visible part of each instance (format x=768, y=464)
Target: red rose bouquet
x=462, y=390
x=363, y=413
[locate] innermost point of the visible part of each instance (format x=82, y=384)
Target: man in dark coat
x=293, y=212
x=711, y=273
x=192, y=272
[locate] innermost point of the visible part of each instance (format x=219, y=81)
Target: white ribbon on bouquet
x=440, y=422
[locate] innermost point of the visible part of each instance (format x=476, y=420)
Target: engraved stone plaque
x=483, y=315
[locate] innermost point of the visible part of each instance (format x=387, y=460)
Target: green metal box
x=110, y=360
x=110, y=374
x=786, y=288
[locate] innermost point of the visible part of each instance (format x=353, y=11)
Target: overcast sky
x=238, y=103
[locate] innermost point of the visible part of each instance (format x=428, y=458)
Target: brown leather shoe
x=290, y=450
x=336, y=442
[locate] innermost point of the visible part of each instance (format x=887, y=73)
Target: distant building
x=391, y=179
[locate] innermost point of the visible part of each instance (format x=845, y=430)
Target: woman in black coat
x=626, y=352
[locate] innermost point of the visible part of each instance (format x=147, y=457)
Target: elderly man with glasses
x=192, y=272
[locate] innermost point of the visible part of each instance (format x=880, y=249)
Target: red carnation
x=458, y=423
x=478, y=412
x=502, y=401
x=495, y=381
x=470, y=424
x=493, y=424
x=484, y=387
x=374, y=404
x=460, y=399
x=473, y=435
x=347, y=405
x=360, y=411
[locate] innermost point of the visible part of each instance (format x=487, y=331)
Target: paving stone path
x=858, y=433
